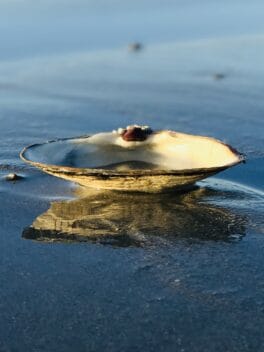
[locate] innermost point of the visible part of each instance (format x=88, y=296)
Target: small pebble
x=135, y=46
x=13, y=177
x=219, y=76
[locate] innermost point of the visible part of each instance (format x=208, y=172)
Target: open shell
x=162, y=160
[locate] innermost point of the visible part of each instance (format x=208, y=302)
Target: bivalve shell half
x=134, y=158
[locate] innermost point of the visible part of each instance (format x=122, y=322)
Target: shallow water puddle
x=215, y=210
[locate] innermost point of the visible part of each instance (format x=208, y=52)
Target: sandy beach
x=86, y=271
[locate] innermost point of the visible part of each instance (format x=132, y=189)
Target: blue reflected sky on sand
x=30, y=28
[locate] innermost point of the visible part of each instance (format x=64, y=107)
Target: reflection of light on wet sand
x=235, y=186
x=244, y=197
x=138, y=219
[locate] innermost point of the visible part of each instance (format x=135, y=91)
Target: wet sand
x=90, y=272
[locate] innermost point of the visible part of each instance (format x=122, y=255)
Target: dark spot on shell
x=135, y=134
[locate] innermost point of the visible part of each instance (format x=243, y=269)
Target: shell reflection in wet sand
x=126, y=219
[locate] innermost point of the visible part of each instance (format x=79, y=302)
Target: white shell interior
x=164, y=150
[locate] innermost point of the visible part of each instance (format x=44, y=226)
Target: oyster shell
x=134, y=158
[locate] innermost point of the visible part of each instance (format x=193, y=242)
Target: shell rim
x=105, y=172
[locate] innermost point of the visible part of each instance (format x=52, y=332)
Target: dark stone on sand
x=219, y=76
x=135, y=46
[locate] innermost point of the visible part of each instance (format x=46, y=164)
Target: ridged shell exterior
x=150, y=181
